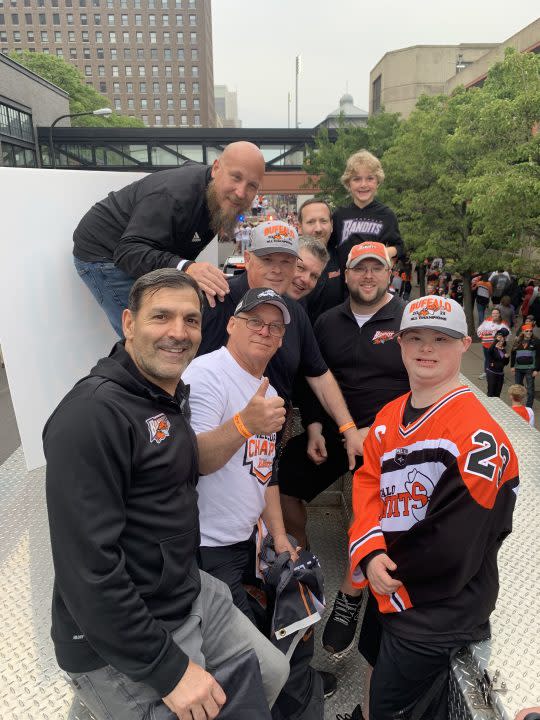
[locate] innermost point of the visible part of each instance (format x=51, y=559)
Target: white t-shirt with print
x=231, y=499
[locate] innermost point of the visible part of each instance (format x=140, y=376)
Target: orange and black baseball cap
x=374, y=250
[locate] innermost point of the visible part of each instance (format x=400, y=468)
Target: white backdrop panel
x=52, y=331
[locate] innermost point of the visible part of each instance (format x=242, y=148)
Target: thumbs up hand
x=262, y=415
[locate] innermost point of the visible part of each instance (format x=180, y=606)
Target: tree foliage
x=82, y=97
x=463, y=173
x=325, y=162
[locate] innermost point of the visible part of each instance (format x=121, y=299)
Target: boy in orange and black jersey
x=433, y=503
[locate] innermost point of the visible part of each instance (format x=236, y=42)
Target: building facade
x=150, y=59
x=26, y=101
x=226, y=102
x=402, y=76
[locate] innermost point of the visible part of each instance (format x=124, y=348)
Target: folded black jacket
x=121, y=496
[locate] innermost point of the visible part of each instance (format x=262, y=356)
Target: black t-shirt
x=299, y=352
x=152, y=223
x=329, y=290
x=353, y=225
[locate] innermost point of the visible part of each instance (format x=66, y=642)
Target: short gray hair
x=315, y=247
x=157, y=280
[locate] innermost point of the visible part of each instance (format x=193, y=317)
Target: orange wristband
x=242, y=429
x=347, y=426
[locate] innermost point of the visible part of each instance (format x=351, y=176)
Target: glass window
x=101, y=70
x=167, y=54
x=97, y=19
x=56, y=19
x=103, y=87
x=14, y=18
x=127, y=53
x=142, y=87
x=165, y=20
x=59, y=53
x=182, y=87
x=183, y=103
x=196, y=103
x=180, y=54
x=71, y=35
x=194, y=54
x=117, y=104
x=85, y=36
x=116, y=87
x=144, y=104
x=131, y=104
x=124, y=19
x=27, y=18
x=84, y=19
x=87, y=69
x=155, y=87
x=129, y=87
x=99, y=36
x=180, y=37
x=166, y=38
x=69, y=19
x=3, y=38
x=114, y=53
x=181, y=70
x=142, y=71
x=193, y=20
x=44, y=36
x=183, y=119
x=195, y=87
x=170, y=103
x=110, y=20
x=155, y=70
x=153, y=54
x=196, y=119
x=151, y=19
x=168, y=87
x=125, y=38
x=42, y=19
x=179, y=20
x=128, y=70
x=145, y=119
x=112, y=37
x=158, y=119
x=193, y=38
x=100, y=52
x=114, y=69
x=139, y=36
x=138, y=19
x=153, y=38
x=57, y=36
x=151, y=4
x=157, y=103
x=137, y=4
x=86, y=53
x=168, y=71
x=30, y=36
x=170, y=120
x=95, y=3
x=140, y=53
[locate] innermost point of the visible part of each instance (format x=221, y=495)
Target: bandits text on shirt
x=355, y=227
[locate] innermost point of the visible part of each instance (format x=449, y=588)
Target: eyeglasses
x=378, y=269
x=274, y=328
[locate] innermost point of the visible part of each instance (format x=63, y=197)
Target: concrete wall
x=408, y=73
x=526, y=39
x=45, y=101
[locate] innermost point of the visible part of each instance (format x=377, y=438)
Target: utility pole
x=298, y=71
x=289, y=98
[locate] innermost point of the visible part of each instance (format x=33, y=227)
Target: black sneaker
x=338, y=635
x=329, y=683
x=356, y=715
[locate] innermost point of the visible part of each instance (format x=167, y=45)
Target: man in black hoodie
x=134, y=622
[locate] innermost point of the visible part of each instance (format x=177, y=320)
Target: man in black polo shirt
x=271, y=262
x=356, y=340
x=165, y=220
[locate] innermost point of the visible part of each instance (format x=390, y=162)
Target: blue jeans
x=525, y=377
x=481, y=310
x=109, y=285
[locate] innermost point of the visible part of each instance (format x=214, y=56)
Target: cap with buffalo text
x=273, y=236
x=435, y=313
x=263, y=296
x=375, y=250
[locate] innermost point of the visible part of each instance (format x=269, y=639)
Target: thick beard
x=359, y=300
x=221, y=222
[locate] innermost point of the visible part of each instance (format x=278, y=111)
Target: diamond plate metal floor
x=32, y=687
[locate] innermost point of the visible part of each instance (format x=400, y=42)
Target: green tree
x=82, y=97
x=463, y=173
x=326, y=161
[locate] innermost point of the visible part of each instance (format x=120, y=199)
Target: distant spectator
x=486, y=332
x=396, y=283
x=484, y=290
x=498, y=359
x=406, y=285
x=517, y=394
x=507, y=311
x=456, y=289
x=501, y=282
x=525, y=361
x=536, y=330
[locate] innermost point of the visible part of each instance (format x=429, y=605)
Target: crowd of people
x=175, y=456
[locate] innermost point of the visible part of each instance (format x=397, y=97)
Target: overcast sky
x=340, y=41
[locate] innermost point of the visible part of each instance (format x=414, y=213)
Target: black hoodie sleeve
x=88, y=446
x=149, y=241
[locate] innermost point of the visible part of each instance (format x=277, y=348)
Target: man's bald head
x=236, y=178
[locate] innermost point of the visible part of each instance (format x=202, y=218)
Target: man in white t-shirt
x=237, y=413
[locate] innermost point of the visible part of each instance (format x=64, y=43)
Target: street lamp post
x=298, y=71
x=102, y=112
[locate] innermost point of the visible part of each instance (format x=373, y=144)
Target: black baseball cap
x=263, y=296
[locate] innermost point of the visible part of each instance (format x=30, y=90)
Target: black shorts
x=299, y=477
